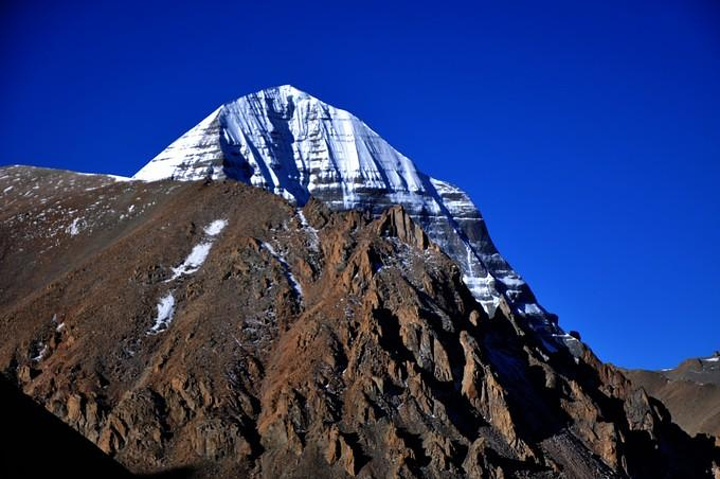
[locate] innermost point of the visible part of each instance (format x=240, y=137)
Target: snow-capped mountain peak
x=289, y=142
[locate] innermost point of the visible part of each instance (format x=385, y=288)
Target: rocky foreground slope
x=691, y=392
x=213, y=327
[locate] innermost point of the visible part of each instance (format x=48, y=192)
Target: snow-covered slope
x=288, y=142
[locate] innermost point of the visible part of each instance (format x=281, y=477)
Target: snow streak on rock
x=215, y=228
x=196, y=258
x=77, y=225
x=165, y=313
x=312, y=232
x=286, y=268
x=192, y=263
x=200, y=252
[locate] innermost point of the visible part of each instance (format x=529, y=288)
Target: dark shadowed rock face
x=213, y=326
x=691, y=392
x=37, y=444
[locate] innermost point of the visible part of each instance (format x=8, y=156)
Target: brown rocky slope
x=316, y=345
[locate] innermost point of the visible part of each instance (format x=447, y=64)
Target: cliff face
x=215, y=327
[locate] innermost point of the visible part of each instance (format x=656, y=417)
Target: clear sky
x=587, y=132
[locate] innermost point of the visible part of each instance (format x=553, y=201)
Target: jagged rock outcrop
x=215, y=327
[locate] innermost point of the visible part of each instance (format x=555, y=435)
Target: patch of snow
x=119, y=179
x=200, y=252
x=565, y=337
x=60, y=326
x=214, y=228
x=76, y=226
x=714, y=359
x=511, y=281
x=165, y=313
x=532, y=309
x=112, y=177
x=193, y=262
x=8, y=189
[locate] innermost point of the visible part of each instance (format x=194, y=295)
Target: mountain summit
x=289, y=142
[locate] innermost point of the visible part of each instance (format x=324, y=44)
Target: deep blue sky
x=588, y=132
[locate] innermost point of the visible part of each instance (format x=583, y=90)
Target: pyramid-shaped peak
x=288, y=90
x=286, y=141
x=282, y=92
x=279, y=99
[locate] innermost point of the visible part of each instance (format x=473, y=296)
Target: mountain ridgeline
x=281, y=294
x=691, y=392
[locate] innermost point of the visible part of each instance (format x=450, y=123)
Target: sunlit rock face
x=286, y=141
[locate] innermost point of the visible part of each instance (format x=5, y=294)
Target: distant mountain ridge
x=286, y=141
x=691, y=391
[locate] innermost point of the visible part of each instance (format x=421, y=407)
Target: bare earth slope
x=691, y=392
x=215, y=327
